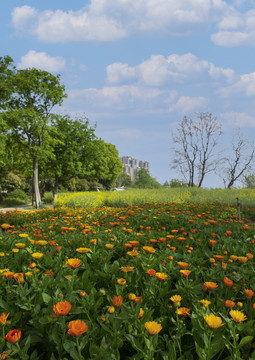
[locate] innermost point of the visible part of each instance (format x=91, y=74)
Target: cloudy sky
x=136, y=67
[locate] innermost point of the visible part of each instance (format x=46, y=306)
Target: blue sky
x=136, y=67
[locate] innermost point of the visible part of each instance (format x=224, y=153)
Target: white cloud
x=238, y=119
x=236, y=29
x=111, y=20
x=245, y=86
x=159, y=70
x=42, y=61
x=187, y=104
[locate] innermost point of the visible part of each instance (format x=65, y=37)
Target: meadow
x=131, y=275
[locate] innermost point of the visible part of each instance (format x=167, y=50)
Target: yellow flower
x=82, y=250
x=205, y=303
x=237, y=315
x=109, y=246
x=23, y=235
x=153, y=327
x=19, y=277
x=2, y=254
x=141, y=312
x=132, y=296
x=213, y=321
x=29, y=273
x=15, y=250
x=161, y=276
x=176, y=299
x=20, y=245
x=239, y=304
x=111, y=309
x=73, y=263
x=3, y=318
x=5, y=226
x=42, y=242
x=149, y=249
x=121, y=281
x=37, y=255
x=127, y=268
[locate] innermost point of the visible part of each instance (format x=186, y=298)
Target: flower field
x=157, y=280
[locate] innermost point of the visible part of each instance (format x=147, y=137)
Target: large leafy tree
x=101, y=163
x=145, y=181
x=70, y=138
x=28, y=112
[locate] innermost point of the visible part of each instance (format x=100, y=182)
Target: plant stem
x=79, y=350
x=209, y=345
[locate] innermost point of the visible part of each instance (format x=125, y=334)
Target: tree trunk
x=36, y=183
x=55, y=190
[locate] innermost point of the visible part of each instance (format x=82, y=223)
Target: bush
x=17, y=194
x=48, y=198
x=12, y=182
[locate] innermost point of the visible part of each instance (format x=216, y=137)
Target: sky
x=135, y=68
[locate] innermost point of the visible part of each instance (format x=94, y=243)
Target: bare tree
x=243, y=154
x=194, y=147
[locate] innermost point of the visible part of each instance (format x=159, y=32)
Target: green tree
x=124, y=179
x=70, y=138
x=101, y=163
x=145, y=181
x=175, y=183
x=249, y=181
x=34, y=93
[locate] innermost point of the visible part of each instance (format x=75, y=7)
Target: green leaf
x=245, y=340
x=135, y=343
x=46, y=298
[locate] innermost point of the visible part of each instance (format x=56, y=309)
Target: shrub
x=17, y=194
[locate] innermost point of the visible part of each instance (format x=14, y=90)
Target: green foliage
x=249, y=181
x=174, y=183
x=11, y=182
x=124, y=179
x=17, y=194
x=48, y=197
x=145, y=181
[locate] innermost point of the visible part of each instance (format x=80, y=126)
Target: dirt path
x=16, y=208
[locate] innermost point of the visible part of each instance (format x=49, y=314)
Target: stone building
x=131, y=166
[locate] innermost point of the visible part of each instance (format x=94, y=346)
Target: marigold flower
x=249, y=256
x=111, y=309
x=117, y=300
x=183, y=311
x=62, y=308
x=23, y=235
x=137, y=299
x=3, y=318
x=161, y=276
x=49, y=272
x=133, y=253
x=182, y=264
x=149, y=249
x=82, y=293
x=228, y=233
x=109, y=246
x=8, y=274
x=212, y=242
x=73, y=263
x=13, y=336
x=237, y=315
x=132, y=296
x=227, y=281
x=185, y=273
x=77, y=327
x=153, y=327
x=209, y=285
x=151, y=272
x=37, y=255
x=127, y=268
x=19, y=277
x=205, y=303
x=214, y=322
x=219, y=257
x=224, y=265
x=141, y=312
x=20, y=245
x=5, y=226
x=229, y=304
x=176, y=299
x=239, y=304
x=249, y=293
x=82, y=250
x=242, y=259
x=42, y=242
x=121, y=281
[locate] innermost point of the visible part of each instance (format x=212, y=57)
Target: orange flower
x=138, y=298
x=237, y=316
x=214, y=322
x=185, y=273
x=8, y=274
x=176, y=299
x=212, y=242
x=117, y=300
x=228, y=233
x=109, y=246
x=161, y=276
x=153, y=327
x=132, y=296
x=183, y=311
x=219, y=257
x=111, y=309
x=209, y=285
x=82, y=293
x=77, y=327
x=182, y=264
x=19, y=277
x=149, y=249
x=229, y=304
x=62, y=308
x=3, y=318
x=249, y=256
x=73, y=263
x=13, y=336
x=151, y=272
x=5, y=226
x=141, y=312
x=248, y=293
x=242, y=259
x=127, y=268
x=228, y=282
